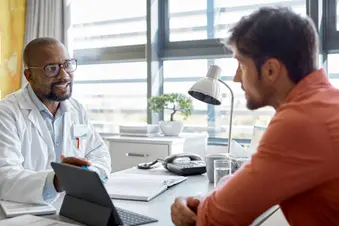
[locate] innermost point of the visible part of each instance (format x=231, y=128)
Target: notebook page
x=130, y=178
x=138, y=186
x=139, y=191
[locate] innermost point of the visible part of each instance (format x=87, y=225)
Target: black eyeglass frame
x=59, y=66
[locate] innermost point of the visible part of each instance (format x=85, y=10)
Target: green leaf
x=174, y=101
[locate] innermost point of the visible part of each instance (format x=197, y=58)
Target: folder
x=139, y=187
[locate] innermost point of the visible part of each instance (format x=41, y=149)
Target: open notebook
x=12, y=209
x=139, y=187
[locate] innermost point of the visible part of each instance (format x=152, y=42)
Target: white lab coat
x=26, y=147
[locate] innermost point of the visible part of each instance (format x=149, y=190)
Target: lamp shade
x=207, y=89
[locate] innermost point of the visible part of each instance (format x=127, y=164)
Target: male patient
x=297, y=161
x=41, y=123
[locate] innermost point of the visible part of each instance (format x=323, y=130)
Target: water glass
x=209, y=158
x=222, y=168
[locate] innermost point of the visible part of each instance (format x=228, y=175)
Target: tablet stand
x=88, y=213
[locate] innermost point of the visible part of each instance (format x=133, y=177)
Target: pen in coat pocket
x=78, y=142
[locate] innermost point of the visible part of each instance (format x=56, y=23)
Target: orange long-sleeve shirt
x=296, y=164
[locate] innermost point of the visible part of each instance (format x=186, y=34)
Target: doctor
x=41, y=123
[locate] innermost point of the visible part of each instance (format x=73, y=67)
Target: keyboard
x=187, y=168
x=191, y=165
x=131, y=218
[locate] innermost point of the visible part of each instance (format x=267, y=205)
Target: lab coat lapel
x=39, y=123
x=34, y=116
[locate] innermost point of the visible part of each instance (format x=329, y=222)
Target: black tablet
x=87, y=200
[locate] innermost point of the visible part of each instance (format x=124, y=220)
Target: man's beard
x=264, y=101
x=253, y=105
x=53, y=97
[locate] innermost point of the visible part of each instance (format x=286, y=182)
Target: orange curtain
x=12, y=31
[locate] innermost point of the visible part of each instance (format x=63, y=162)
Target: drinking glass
x=222, y=168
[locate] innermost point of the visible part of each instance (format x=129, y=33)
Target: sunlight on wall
x=12, y=28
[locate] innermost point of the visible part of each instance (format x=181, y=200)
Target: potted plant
x=175, y=102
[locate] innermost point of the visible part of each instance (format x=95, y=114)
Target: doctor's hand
x=72, y=161
x=184, y=211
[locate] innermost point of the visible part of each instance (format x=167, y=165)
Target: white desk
x=159, y=207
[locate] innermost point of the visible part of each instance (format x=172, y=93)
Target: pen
x=86, y=168
x=78, y=142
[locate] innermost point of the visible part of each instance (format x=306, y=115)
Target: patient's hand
x=184, y=211
x=72, y=161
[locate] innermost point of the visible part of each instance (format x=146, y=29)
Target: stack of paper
x=148, y=130
x=139, y=187
x=12, y=209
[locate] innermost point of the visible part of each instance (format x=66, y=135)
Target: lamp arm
x=231, y=115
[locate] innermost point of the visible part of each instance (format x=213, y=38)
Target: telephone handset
x=183, y=164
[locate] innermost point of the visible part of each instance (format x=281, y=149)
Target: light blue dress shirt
x=55, y=126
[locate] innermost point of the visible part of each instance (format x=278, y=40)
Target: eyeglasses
x=52, y=70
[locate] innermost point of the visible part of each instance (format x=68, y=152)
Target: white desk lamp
x=208, y=90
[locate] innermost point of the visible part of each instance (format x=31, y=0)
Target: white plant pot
x=171, y=128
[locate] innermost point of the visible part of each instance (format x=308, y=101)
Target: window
x=112, y=93
x=104, y=23
x=208, y=118
x=208, y=19
x=179, y=79
x=333, y=69
x=187, y=19
x=111, y=80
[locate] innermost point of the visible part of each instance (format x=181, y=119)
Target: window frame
x=330, y=32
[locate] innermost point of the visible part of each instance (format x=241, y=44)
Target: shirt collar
x=315, y=80
x=37, y=102
x=41, y=107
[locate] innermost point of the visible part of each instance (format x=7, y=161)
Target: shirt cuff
x=49, y=193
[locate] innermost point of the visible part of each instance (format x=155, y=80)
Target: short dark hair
x=278, y=33
x=35, y=44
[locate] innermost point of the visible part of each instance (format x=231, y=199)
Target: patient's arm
x=288, y=162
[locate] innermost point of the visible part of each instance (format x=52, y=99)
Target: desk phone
x=183, y=164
